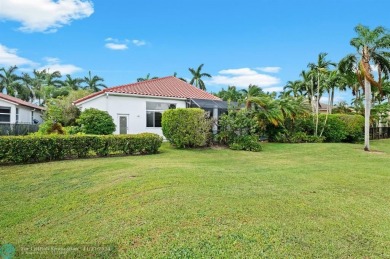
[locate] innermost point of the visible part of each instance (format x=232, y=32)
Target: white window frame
x=154, y=112
x=9, y=114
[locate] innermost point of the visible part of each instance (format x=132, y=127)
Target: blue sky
x=263, y=42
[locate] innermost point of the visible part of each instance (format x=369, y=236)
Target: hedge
x=29, y=149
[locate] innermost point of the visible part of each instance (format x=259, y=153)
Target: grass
x=291, y=200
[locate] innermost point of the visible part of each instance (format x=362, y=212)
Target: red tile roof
x=20, y=101
x=162, y=87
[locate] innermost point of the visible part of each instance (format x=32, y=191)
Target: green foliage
x=27, y=149
x=186, y=128
x=338, y=128
x=247, y=142
x=94, y=121
x=50, y=127
x=239, y=129
x=62, y=110
x=297, y=137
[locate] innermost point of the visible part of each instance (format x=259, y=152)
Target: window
x=17, y=115
x=5, y=114
x=154, y=111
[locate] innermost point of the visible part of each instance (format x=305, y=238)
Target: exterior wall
x=24, y=113
x=133, y=107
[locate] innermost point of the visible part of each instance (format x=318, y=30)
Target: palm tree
x=320, y=68
x=197, y=77
x=230, y=95
x=372, y=49
x=267, y=110
x=37, y=84
x=293, y=87
x=253, y=91
x=92, y=83
x=73, y=83
x=9, y=81
x=141, y=79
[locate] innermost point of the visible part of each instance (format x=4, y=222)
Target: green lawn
x=290, y=200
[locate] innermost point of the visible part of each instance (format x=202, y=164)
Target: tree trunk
x=317, y=104
x=367, y=89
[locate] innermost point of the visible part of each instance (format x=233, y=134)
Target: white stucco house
x=16, y=111
x=138, y=107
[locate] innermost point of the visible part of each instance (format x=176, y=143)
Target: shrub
x=338, y=128
x=185, y=128
x=94, y=121
x=50, y=127
x=27, y=149
x=239, y=129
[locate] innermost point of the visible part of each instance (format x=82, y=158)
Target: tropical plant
x=10, y=81
x=372, y=48
x=73, y=83
x=97, y=122
x=230, y=95
x=197, y=76
x=93, y=83
x=321, y=67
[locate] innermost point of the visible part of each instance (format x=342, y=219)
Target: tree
x=93, y=82
x=146, y=78
x=73, y=83
x=197, y=77
x=230, y=95
x=372, y=48
x=294, y=88
x=320, y=68
x=252, y=91
x=9, y=81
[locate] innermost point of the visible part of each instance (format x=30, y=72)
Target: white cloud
x=243, y=77
x=116, y=46
x=54, y=64
x=44, y=15
x=269, y=69
x=139, y=43
x=9, y=57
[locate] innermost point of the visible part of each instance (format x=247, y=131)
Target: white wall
x=24, y=112
x=133, y=107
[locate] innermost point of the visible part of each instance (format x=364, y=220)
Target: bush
x=239, y=129
x=297, y=137
x=94, y=121
x=185, y=128
x=338, y=128
x=27, y=149
x=50, y=127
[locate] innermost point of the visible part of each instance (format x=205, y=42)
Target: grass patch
x=290, y=200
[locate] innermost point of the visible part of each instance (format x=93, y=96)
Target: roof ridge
x=137, y=83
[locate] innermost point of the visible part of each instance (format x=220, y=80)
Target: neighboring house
x=138, y=107
x=16, y=111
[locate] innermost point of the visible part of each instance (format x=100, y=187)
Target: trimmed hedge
x=29, y=149
x=185, y=128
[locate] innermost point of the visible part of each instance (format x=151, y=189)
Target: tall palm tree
x=38, y=85
x=197, y=77
x=320, y=68
x=372, y=48
x=93, y=82
x=147, y=77
x=73, y=83
x=9, y=81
